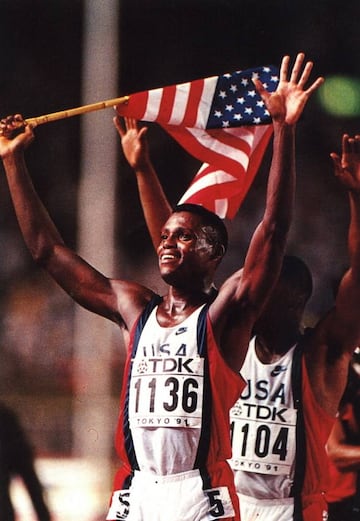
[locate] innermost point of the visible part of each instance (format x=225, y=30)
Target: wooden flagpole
x=54, y=116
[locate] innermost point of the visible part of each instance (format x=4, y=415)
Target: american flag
x=220, y=120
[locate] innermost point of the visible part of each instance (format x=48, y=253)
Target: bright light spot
x=75, y=489
x=340, y=96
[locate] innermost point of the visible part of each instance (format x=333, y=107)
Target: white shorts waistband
x=266, y=502
x=149, y=477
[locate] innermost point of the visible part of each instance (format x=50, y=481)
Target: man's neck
x=179, y=300
x=175, y=308
x=269, y=350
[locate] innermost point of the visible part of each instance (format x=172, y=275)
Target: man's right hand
x=134, y=142
x=15, y=134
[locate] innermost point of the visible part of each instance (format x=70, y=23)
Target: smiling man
x=185, y=348
x=195, y=234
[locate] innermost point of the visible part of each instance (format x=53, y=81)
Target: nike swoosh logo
x=278, y=369
x=181, y=330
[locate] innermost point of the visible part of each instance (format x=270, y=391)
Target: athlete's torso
x=166, y=393
x=263, y=426
x=177, y=395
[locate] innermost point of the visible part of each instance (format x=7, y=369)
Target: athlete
x=294, y=383
x=185, y=349
x=281, y=423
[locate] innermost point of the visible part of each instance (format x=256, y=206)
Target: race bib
x=263, y=438
x=220, y=503
x=120, y=506
x=166, y=392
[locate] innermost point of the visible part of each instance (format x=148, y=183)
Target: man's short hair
x=219, y=236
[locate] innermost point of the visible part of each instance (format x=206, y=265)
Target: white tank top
x=166, y=391
x=263, y=424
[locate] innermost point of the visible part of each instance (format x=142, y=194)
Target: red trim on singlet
x=318, y=425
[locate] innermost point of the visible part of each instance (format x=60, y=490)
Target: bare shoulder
x=231, y=297
x=131, y=299
x=327, y=361
x=232, y=320
x=230, y=313
x=331, y=339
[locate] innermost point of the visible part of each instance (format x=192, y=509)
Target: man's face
x=184, y=251
x=284, y=309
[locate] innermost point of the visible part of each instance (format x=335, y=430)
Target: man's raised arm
x=265, y=254
x=82, y=282
x=153, y=200
x=335, y=338
x=254, y=283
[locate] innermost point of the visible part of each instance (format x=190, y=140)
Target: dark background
x=161, y=42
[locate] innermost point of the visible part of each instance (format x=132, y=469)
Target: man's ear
x=218, y=251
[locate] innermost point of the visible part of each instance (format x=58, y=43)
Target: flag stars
x=236, y=100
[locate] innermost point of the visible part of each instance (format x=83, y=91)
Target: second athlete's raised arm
x=153, y=200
